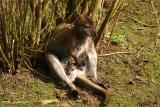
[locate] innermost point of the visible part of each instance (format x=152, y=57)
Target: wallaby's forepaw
x=74, y=94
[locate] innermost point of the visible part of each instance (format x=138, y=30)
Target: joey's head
x=84, y=26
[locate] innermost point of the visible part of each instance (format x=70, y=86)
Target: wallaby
x=71, y=54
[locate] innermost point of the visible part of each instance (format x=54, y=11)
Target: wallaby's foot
x=105, y=98
x=73, y=94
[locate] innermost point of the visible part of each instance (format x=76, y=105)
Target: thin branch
x=4, y=56
x=116, y=4
x=144, y=24
x=36, y=71
x=115, y=53
x=117, y=18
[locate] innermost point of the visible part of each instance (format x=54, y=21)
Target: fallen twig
x=44, y=102
x=115, y=53
x=145, y=25
x=36, y=71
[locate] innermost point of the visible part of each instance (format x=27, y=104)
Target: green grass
x=157, y=1
x=122, y=101
x=144, y=90
x=26, y=93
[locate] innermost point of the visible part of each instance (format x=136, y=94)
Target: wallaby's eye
x=87, y=25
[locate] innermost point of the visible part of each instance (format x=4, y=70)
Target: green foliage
x=117, y=39
x=155, y=57
x=158, y=1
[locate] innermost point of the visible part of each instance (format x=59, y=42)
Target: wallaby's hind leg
x=96, y=88
x=57, y=68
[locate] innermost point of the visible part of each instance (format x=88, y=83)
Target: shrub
x=117, y=39
x=25, y=25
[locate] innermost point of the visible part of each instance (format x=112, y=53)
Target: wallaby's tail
x=105, y=93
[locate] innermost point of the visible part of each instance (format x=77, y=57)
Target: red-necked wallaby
x=74, y=43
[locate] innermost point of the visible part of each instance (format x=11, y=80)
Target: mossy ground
x=133, y=78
